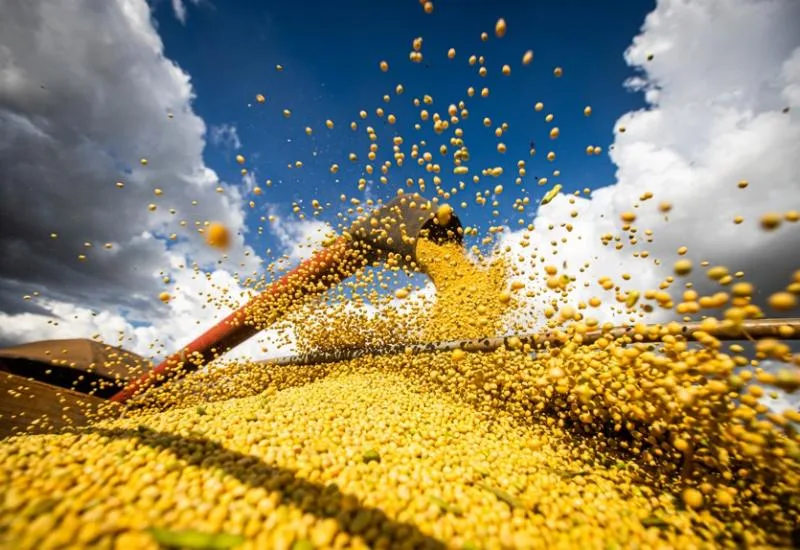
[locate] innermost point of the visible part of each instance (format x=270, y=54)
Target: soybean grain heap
x=606, y=445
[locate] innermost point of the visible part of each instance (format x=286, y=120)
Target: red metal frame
x=328, y=267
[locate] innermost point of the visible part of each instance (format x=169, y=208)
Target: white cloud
x=778, y=400
x=199, y=300
x=85, y=93
x=298, y=238
x=721, y=76
x=179, y=7
x=225, y=135
x=77, y=110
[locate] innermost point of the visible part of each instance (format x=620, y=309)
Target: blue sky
x=721, y=107
x=331, y=53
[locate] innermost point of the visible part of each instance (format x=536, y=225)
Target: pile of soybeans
x=614, y=444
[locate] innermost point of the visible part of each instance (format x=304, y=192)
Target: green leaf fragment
x=371, y=456
x=502, y=495
x=303, y=544
x=360, y=522
x=569, y=475
x=40, y=507
x=195, y=540
x=654, y=521
x=447, y=507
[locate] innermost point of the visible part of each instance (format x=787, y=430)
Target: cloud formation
x=179, y=7
x=298, y=238
x=198, y=301
x=723, y=94
x=85, y=94
x=225, y=135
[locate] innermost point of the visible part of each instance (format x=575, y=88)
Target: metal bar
x=407, y=217
x=755, y=329
x=315, y=275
